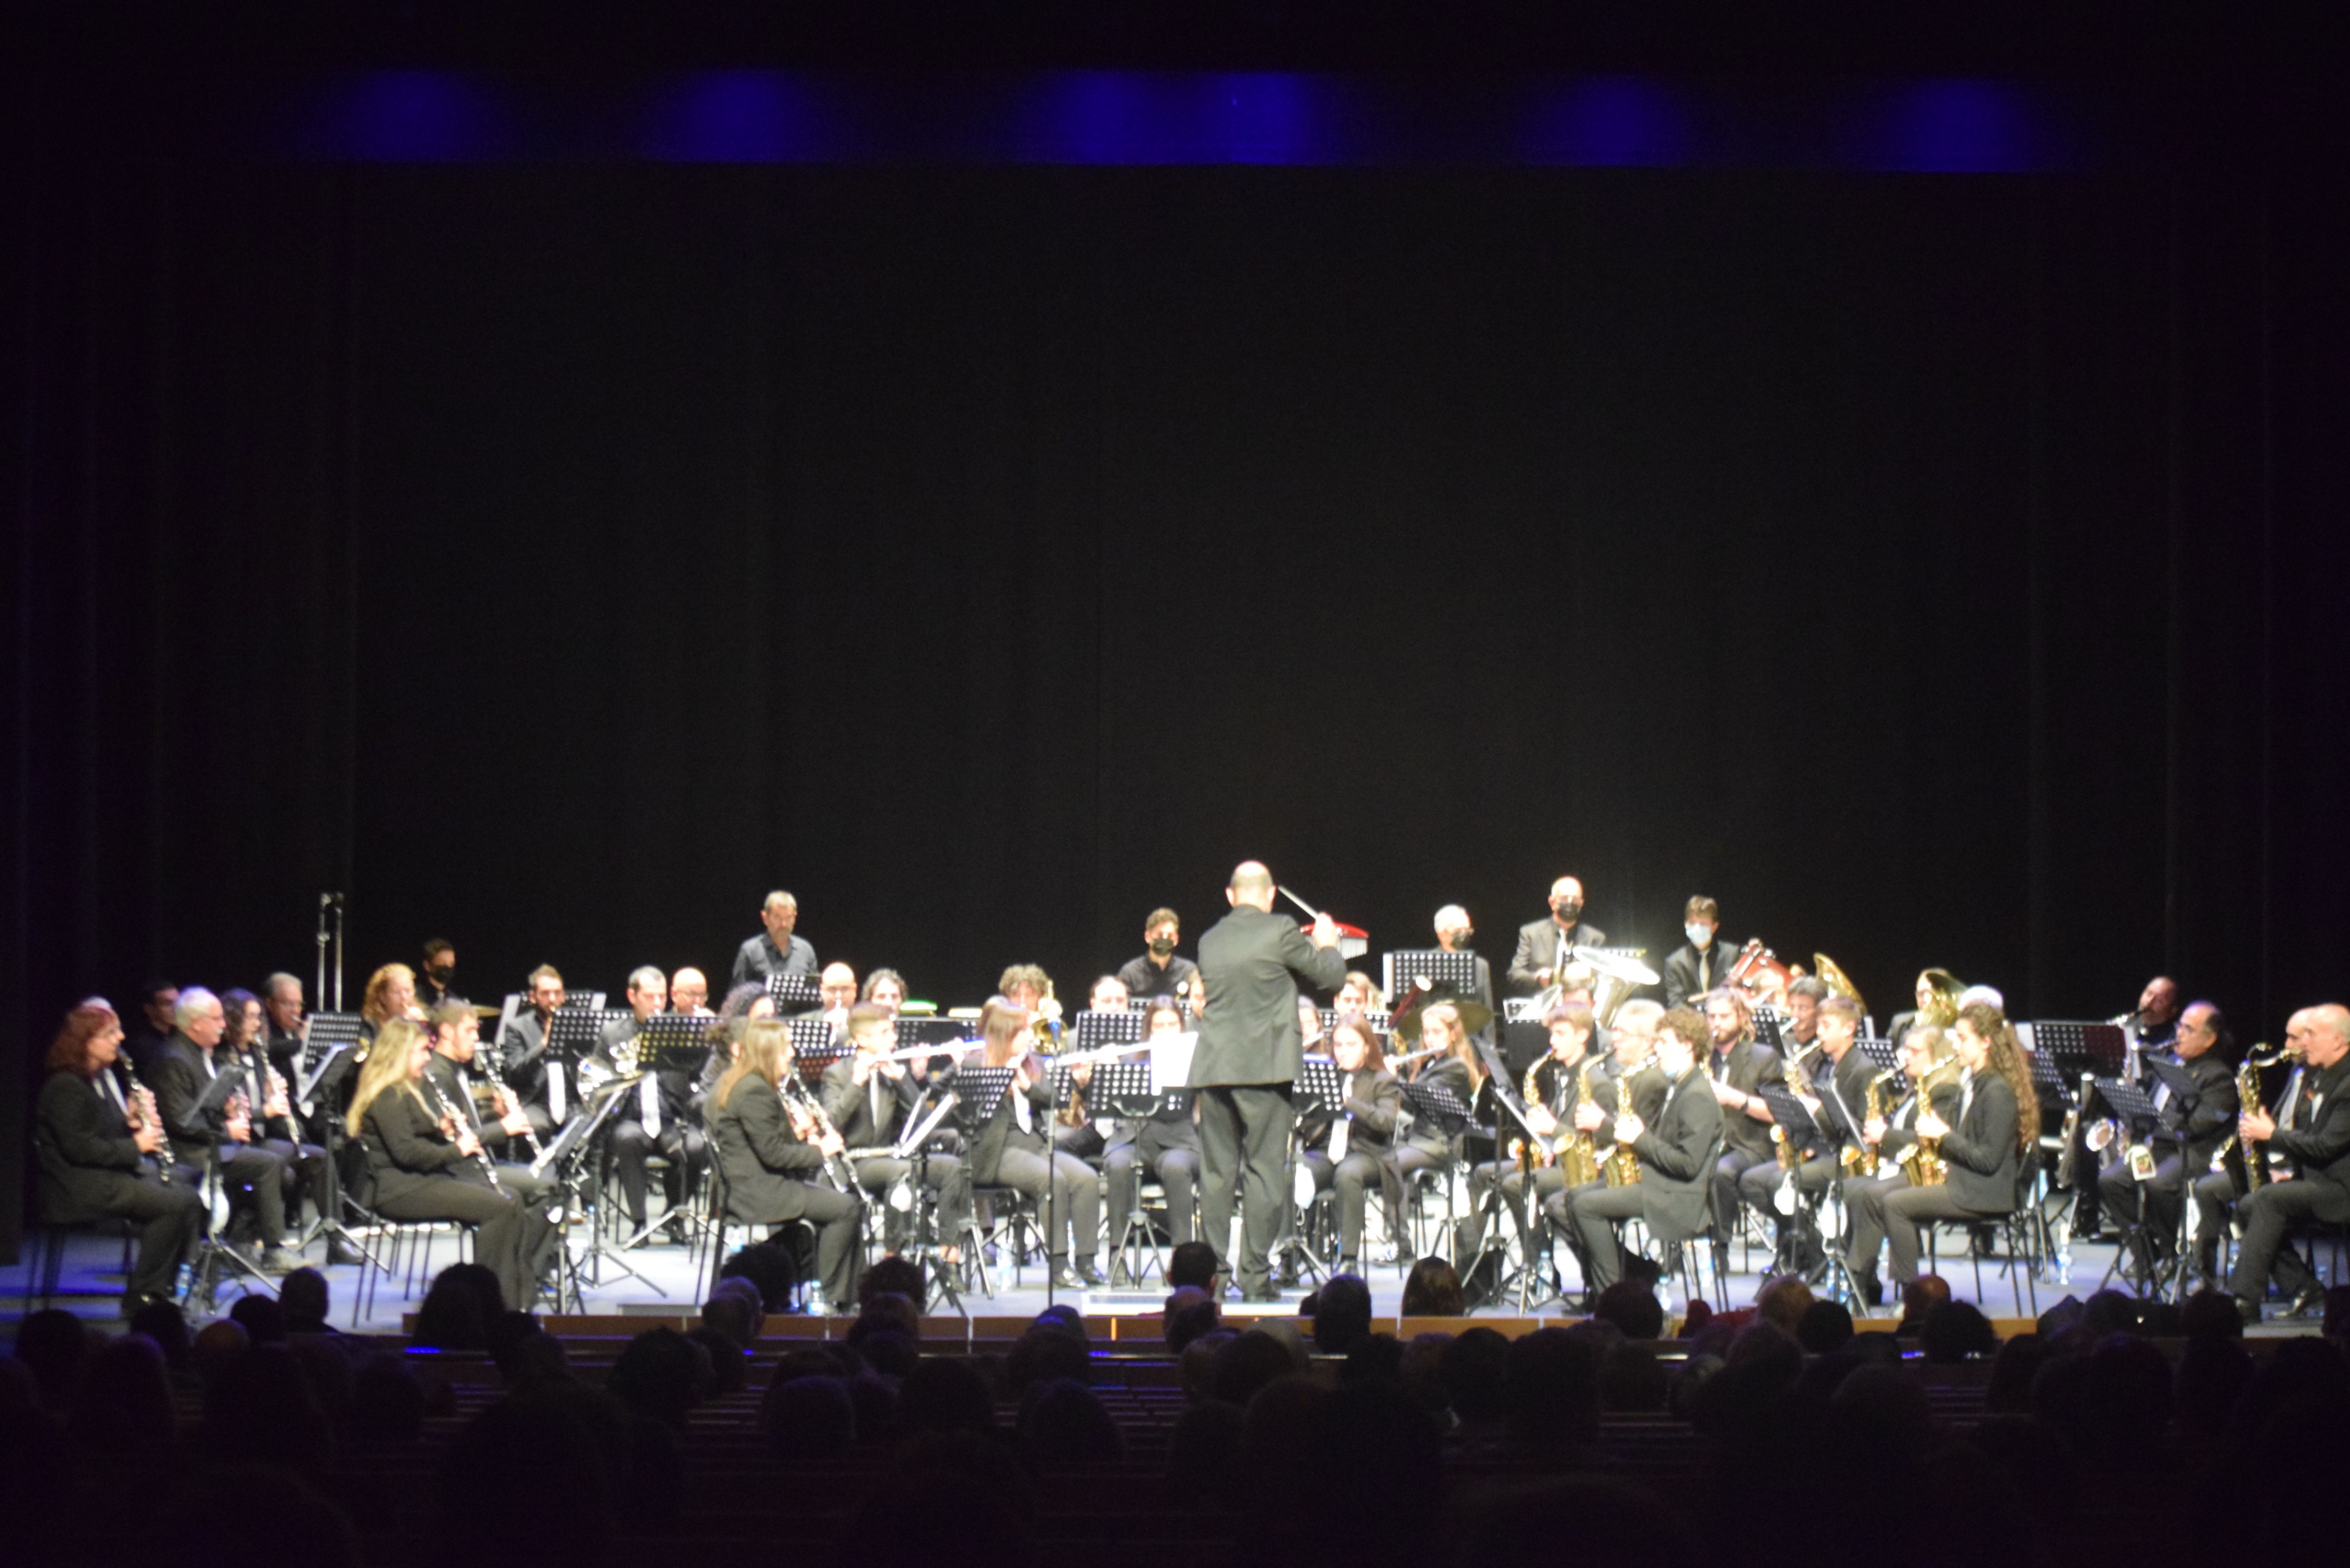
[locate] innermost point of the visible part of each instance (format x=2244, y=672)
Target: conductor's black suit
x=1248, y=1056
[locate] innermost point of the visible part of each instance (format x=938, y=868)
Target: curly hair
x=2006, y=1059
x=70, y=1052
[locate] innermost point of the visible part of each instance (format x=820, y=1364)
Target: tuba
x=1924, y=1164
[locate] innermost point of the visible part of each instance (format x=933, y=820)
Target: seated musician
x=1010, y=1148
x=1676, y=1154
x=744, y=1002
x=1633, y=1078
x=1158, y=970
x=202, y=1122
x=868, y=1097
x=1545, y=947
x=456, y=1044
x=773, y=1153
x=269, y=1099
x=836, y=993
x=1357, y=996
x=1165, y=1144
x=1453, y=1064
x=390, y=994
x=424, y=1164
x=1556, y=1084
x=103, y=1157
x=1345, y=1149
x=885, y=988
x=659, y=1115
x=689, y=993
x=1739, y=1065
x=1998, y=1122
x=1836, y=1097
x=2189, y=1135
x=522, y=1049
x=1888, y=1140
x=2311, y=1132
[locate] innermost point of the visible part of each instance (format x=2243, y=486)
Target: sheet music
x=1170, y=1060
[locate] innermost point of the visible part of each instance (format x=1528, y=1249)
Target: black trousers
x=1864, y=1199
x=943, y=1175
x=2147, y=1210
x=2266, y=1217
x=1244, y=1153
x=508, y=1235
x=1066, y=1191
x=169, y=1216
x=683, y=1147
x=1897, y=1213
x=1727, y=1172
x=1351, y=1180
x=1596, y=1209
x=1178, y=1170
x=254, y=1178
x=306, y=1171
x=838, y=1219
x=2215, y=1194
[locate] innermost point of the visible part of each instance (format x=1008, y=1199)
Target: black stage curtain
x=1936, y=570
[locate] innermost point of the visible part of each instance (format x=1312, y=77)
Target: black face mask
x=439, y=973
x=1567, y=908
x=1160, y=947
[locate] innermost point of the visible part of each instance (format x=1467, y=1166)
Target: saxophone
x=1578, y=1154
x=1791, y=1070
x=2247, y=1103
x=1530, y=1092
x=1924, y=1164
x=1862, y=1158
x=1621, y=1167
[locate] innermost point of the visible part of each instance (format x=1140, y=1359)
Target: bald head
x=1252, y=884
x=2320, y=1033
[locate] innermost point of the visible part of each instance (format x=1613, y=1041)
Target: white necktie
x=555, y=1090
x=649, y=1104
x=1020, y=1108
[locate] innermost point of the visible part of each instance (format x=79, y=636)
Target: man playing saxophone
x=1832, y=1085
x=1891, y=1138
x=1973, y=1160
x=2310, y=1130
x=1569, y=1074
x=1677, y=1158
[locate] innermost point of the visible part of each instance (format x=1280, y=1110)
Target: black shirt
x=1144, y=979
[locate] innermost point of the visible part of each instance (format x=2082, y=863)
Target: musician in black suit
x=1346, y=1148
x=1558, y=1079
x=774, y=950
x=868, y=1097
x=1545, y=946
x=1165, y=1144
x=2190, y=1132
x=1248, y=1056
x=424, y=1163
x=143, y=1049
x=2312, y=1132
x=522, y=1047
x=1701, y=962
x=1739, y=1065
x=1998, y=1122
x=1012, y=1148
x=659, y=1115
x=773, y=1157
x=1677, y=1156
x=456, y=1042
x=204, y=1115
x=1455, y=1067
x=1835, y=1076
x=271, y=1111
x=1891, y=1138
x=100, y=1158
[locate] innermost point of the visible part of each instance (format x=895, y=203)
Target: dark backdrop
x=1938, y=570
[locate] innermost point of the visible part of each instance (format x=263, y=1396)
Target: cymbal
x=1474, y=1016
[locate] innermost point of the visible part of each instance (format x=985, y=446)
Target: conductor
x=1247, y=1059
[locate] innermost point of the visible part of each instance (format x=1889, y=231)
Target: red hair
x=70, y=1052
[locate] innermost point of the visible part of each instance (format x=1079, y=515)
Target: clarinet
x=458, y=1122
x=508, y=1102
x=148, y=1117
x=837, y=1169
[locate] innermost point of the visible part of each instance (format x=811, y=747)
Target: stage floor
x=668, y=1284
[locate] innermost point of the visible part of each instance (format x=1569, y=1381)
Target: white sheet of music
x=1170, y=1061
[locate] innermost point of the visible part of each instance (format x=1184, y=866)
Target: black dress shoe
x=1264, y=1295
x=1064, y=1280
x=2249, y=1311
x=339, y=1255
x=1091, y=1275
x=2308, y=1302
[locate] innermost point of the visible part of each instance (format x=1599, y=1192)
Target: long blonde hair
x=374, y=1005
x=386, y=1067
x=766, y=1050
x=1463, y=1050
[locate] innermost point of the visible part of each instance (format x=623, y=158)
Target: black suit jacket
x=2318, y=1143
x=1981, y=1149
x=2205, y=1122
x=850, y=1104
x=1746, y=1068
x=181, y=1084
x=86, y=1153
x=522, y=1055
x=405, y=1150
x=1251, y=962
x=1681, y=981
x=1843, y=1111
x=1538, y=945
x=1677, y=1154
x=1374, y=1099
x=768, y=1169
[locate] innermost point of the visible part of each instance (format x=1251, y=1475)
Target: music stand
x=329, y=1051
x=793, y=993
x=568, y=1153
x=1318, y=1089
x=1439, y=1106
x=571, y=1034
x=814, y=1047
x=1884, y=1053
x=1443, y=968
x=1095, y=1030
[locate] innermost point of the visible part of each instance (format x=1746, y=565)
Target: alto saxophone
x=1863, y=1158
x=1620, y=1165
x=1578, y=1154
x=1530, y=1092
x=1924, y=1164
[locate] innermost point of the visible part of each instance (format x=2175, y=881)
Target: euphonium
x=596, y=1071
x=1924, y=1164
